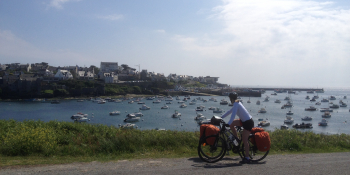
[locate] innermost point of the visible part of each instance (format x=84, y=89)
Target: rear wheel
x=254, y=154
x=212, y=153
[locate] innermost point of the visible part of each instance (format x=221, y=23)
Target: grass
x=36, y=142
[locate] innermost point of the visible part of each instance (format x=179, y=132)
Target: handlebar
x=238, y=128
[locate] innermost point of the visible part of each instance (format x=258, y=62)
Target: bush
x=23, y=140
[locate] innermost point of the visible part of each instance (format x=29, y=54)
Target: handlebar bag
x=207, y=130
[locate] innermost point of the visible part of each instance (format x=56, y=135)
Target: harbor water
x=156, y=117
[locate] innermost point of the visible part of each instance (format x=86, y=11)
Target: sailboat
x=248, y=100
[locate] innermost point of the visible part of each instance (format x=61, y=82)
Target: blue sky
x=293, y=43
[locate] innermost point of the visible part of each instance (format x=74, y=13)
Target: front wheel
x=254, y=154
x=211, y=152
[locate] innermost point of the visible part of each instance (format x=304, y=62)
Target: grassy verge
x=36, y=142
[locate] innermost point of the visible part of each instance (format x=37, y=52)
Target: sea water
x=161, y=118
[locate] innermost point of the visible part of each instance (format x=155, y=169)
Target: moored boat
x=311, y=108
x=323, y=122
x=176, y=114
x=303, y=125
x=114, y=113
x=288, y=120
x=144, y=107
x=264, y=123
x=306, y=118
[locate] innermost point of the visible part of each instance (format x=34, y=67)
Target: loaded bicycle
x=213, y=148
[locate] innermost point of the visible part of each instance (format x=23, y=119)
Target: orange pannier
x=261, y=139
x=207, y=130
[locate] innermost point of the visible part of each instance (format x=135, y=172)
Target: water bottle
x=233, y=140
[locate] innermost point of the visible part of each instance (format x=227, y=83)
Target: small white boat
x=79, y=117
x=326, y=115
x=288, y=120
x=264, y=123
x=311, y=108
x=262, y=110
x=165, y=107
x=200, y=117
x=114, y=113
x=169, y=98
x=160, y=129
x=323, y=122
x=306, y=118
x=131, y=102
x=101, y=102
x=332, y=97
x=176, y=114
x=223, y=102
x=290, y=113
x=118, y=101
x=217, y=110
x=284, y=126
x=192, y=103
x=138, y=114
x=150, y=98
x=183, y=105
x=211, y=108
x=277, y=101
x=132, y=119
x=199, y=108
x=324, y=100
x=266, y=99
x=128, y=126
x=157, y=101
x=144, y=107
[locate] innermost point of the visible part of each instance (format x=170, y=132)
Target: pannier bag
x=261, y=139
x=207, y=130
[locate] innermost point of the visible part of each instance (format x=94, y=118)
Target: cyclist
x=245, y=120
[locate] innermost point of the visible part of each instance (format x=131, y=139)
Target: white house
x=110, y=77
x=63, y=74
x=86, y=75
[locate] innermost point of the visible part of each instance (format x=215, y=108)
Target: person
x=244, y=119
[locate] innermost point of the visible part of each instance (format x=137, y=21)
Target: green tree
x=60, y=92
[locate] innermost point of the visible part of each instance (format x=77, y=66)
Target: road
x=326, y=163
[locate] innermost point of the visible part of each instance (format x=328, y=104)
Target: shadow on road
x=223, y=163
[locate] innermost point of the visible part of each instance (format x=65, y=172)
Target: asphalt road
x=327, y=163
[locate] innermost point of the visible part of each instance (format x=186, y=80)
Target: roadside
x=322, y=163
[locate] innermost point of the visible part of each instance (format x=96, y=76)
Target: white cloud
x=113, y=17
x=58, y=4
x=293, y=37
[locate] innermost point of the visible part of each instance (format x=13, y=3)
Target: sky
x=282, y=43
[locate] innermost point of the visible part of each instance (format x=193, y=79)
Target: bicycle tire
x=212, y=153
x=254, y=154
